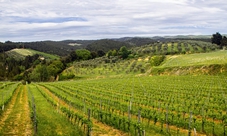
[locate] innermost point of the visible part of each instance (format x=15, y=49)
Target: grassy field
x=218, y=57
x=22, y=53
x=46, y=55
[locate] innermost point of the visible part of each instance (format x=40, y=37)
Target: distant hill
x=106, y=45
x=189, y=37
x=63, y=48
x=60, y=48
x=137, y=41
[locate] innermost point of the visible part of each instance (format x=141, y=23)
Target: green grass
x=6, y=91
x=203, y=95
x=22, y=53
x=17, y=121
x=218, y=57
x=50, y=122
x=46, y=55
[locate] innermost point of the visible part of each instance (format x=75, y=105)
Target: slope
x=217, y=57
x=211, y=63
x=20, y=54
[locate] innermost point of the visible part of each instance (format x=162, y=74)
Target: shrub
x=66, y=77
x=157, y=60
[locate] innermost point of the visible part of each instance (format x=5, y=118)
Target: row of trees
x=122, y=53
x=82, y=54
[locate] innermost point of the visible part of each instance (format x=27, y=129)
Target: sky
x=39, y=20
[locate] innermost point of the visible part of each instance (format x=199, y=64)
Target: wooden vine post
x=2, y=101
x=139, y=116
x=129, y=110
x=34, y=118
x=167, y=124
x=189, y=124
x=89, y=119
x=3, y=106
x=84, y=106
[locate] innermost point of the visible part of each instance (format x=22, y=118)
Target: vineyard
x=197, y=63
x=124, y=105
x=175, y=47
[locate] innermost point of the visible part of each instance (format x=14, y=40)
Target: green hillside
x=20, y=54
x=217, y=57
x=46, y=55
x=175, y=47
x=199, y=63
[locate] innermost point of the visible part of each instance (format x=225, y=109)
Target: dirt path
x=16, y=119
x=99, y=129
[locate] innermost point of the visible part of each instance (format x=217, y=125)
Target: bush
x=66, y=77
x=157, y=60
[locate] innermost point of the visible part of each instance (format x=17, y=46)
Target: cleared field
x=218, y=57
x=46, y=55
x=22, y=53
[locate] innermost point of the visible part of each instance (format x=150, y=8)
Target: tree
x=109, y=53
x=83, y=54
x=93, y=54
x=224, y=41
x=55, y=68
x=216, y=38
x=114, y=53
x=124, y=52
x=73, y=56
x=39, y=73
x=100, y=53
x=157, y=60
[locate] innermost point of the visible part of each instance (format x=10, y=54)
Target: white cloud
x=24, y=20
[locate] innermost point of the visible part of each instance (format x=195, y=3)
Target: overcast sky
x=35, y=20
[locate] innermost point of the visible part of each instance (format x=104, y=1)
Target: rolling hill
x=180, y=56
x=209, y=63
x=217, y=57
x=20, y=54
